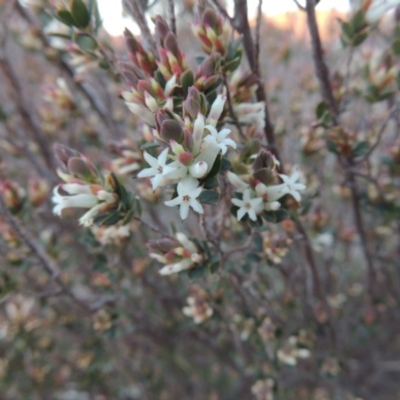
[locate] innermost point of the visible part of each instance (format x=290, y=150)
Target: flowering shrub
x=173, y=226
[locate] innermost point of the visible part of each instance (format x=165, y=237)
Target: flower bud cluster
x=104, y=197
x=177, y=255
x=257, y=194
x=193, y=147
x=217, y=37
x=198, y=307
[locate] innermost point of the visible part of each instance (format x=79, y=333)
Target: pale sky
x=111, y=11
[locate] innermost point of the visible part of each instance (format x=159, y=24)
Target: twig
x=23, y=110
x=321, y=69
x=52, y=269
x=392, y=111
x=172, y=18
x=222, y=11
x=257, y=45
x=241, y=24
x=300, y=7
x=322, y=73
x=230, y=107
x=6, y=15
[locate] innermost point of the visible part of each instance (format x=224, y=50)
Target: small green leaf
x=360, y=149
x=255, y=224
x=226, y=165
x=358, y=21
x=187, y=80
x=86, y=42
x=65, y=17
x=321, y=110
x=396, y=47
x=149, y=145
x=197, y=272
x=258, y=242
x=332, y=146
x=80, y=13
x=276, y=216
x=108, y=219
x=211, y=183
x=216, y=167
x=209, y=197
x=358, y=39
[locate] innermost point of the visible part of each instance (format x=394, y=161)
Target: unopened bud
x=198, y=170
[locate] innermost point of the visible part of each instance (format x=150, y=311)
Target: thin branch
x=322, y=73
x=241, y=24
x=300, y=7
x=222, y=11
x=257, y=45
x=321, y=69
x=172, y=19
x=52, y=269
x=230, y=107
x=30, y=124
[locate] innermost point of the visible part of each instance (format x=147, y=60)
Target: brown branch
x=241, y=24
x=52, y=269
x=257, y=45
x=230, y=107
x=222, y=11
x=30, y=123
x=347, y=164
x=321, y=69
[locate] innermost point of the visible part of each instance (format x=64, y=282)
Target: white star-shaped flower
x=219, y=138
x=157, y=168
x=270, y=195
x=292, y=187
x=248, y=206
x=188, y=190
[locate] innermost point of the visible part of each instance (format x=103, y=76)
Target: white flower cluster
x=262, y=197
x=187, y=167
x=179, y=258
x=80, y=195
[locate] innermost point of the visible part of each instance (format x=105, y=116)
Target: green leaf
x=216, y=167
x=197, y=272
x=396, y=47
x=255, y=224
x=347, y=30
x=226, y=165
x=209, y=197
x=211, y=183
x=276, y=216
x=187, y=80
x=109, y=219
x=86, y=42
x=80, y=13
x=360, y=149
x=332, y=146
x=358, y=21
x=321, y=110
x=253, y=257
x=359, y=39
x=258, y=242
x=149, y=145
x=65, y=17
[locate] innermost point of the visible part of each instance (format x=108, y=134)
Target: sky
x=114, y=23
